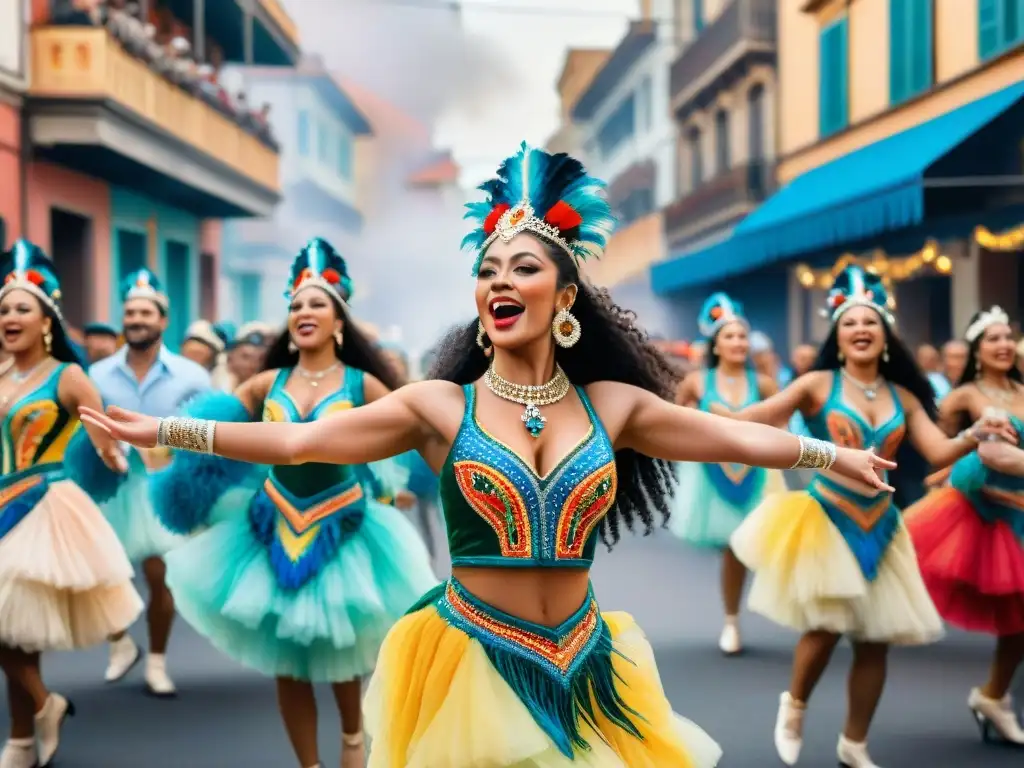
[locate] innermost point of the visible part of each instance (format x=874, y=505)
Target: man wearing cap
x=101, y=340
x=246, y=355
x=204, y=343
x=145, y=376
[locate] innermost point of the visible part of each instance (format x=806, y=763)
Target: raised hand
x=126, y=426
x=865, y=466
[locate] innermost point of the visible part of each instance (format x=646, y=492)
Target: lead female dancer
x=713, y=499
x=550, y=421
x=969, y=537
x=300, y=575
x=65, y=582
x=835, y=559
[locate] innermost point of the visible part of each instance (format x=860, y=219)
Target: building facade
x=13, y=81
x=321, y=133
x=132, y=161
x=628, y=136
x=898, y=146
x=580, y=67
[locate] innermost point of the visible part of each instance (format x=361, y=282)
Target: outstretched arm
x=938, y=449
x=779, y=408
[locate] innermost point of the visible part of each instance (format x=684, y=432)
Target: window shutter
x=920, y=39
x=899, y=85
x=988, y=28
x=833, y=79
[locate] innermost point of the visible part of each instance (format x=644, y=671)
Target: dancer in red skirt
x=969, y=535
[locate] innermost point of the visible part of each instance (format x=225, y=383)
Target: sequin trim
x=589, y=501
x=865, y=516
x=496, y=499
x=302, y=520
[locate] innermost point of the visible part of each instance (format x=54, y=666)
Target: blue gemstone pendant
x=533, y=421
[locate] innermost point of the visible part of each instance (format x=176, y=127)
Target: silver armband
x=815, y=454
x=195, y=435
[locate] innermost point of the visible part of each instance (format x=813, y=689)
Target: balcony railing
x=744, y=26
x=84, y=63
x=742, y=185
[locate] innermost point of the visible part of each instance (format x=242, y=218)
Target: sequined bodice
x=843, y=425
x=995, y=495
x=499, y=512
x=738, y=483
x=37, y=427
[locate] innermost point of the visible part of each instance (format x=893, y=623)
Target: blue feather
x=185, y=491
x=84, y=466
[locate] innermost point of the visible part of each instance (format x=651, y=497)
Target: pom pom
x=716, y=313
x=837, y=300
x=563, y=216
x=491, y=222
x=331, y=276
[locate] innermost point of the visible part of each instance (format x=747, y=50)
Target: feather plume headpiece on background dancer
x=319, y=265
x=550, y=196
x=143, y=284
x=718, y=310
x=26, y=267
x=859, y=287
x=988, y=318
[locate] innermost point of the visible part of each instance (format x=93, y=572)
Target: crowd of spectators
x=169, y=54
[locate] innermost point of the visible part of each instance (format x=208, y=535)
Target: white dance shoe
x=158, y=682
x=729, y=641
x=49, y=721
x=854, y=754
x=19, y=753
x=353, y=750
x=124, y=654
x=995, y=718
x=789, y=729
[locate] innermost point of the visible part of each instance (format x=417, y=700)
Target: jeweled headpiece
x=551, y=196
x=143, y=284
x=29, y=269
x=718, y=310
x=988, y=318
x=318, y=265
x=858, y=287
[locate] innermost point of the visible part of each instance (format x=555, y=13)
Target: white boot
x=854, y=754
x=124, y=654
x=353, y=751
x=729, y=641
x=48, y=725
x=19, y=753
x=995, y=715
x=158, y=682
x=789, y=729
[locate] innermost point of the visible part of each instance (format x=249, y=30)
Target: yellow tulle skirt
x=862, y=581
x=438, y=700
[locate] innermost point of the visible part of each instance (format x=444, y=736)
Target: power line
x=519, y=10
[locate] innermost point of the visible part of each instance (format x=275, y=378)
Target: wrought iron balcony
x=739, y=190
x=742, y=36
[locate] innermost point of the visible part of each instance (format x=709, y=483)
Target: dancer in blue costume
x=713, y=499
x=511, y=663
x=64, y=580
x=301, y=571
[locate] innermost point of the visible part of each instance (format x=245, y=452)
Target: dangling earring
x=481, y=339
x=885, y=354
x=566, y=329
x=977, y=366
x=841, y=356
x=48, y=340
x=292, y=349
x=339, y=337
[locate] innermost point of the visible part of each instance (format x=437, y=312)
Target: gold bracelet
x=185, y=434
x=815, y=454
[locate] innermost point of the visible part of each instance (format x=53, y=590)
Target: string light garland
x=1011, y=240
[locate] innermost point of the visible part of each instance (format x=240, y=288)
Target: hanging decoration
x=1010, y=240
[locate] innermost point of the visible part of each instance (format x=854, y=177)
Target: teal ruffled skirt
x=131, y=514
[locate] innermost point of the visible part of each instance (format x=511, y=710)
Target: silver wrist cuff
x=195, y=435
x=815, y=454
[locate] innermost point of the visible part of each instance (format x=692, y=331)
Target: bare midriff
x=545, y=596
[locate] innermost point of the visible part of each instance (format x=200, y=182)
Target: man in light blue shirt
x=145, y=376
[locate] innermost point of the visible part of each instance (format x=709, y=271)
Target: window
x=696, y=158
x=722, y=154
x=645, y=105
x=249, y=286
x=635, y=205
x=1000, y=25
x=755, y=128
x=619, y=126
x=698, y=17
x=910, y=48
x=304, y=133
x=178, y=266
x=345, y=157
x=323, y=143
x=131, y=255
x=832, y=105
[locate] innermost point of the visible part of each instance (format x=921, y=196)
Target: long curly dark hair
x=355, y=351
x=612, y=348
x=901, y=368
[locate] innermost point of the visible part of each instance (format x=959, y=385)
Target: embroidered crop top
x=843, y=425
x=739, y=484
x=37, y=428
x=500, y=513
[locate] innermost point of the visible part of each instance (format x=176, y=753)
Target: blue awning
x=878, y=188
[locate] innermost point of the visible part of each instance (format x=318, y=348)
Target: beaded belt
x=21, y=491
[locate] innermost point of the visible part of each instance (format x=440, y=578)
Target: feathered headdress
x=858, y=287
x=718, y=310
x=143, y=284
x=994, y=316
x=29, y=269
x=319, y=265
x=551, y=196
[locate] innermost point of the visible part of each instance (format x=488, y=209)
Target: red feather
x=331, y=276
x=563, y=216
x=491, y=222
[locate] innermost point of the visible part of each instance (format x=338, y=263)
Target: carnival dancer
x=300, y=571
x=970, y=536
x=145, y=376
x=64, y=580
x=835, y=559
x=510, y=663
x=711, y=500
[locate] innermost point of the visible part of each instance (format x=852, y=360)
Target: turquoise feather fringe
x=85, y=467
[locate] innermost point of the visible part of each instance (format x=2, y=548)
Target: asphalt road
x=226, y=717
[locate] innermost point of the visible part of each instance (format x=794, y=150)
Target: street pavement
x=226, y=716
